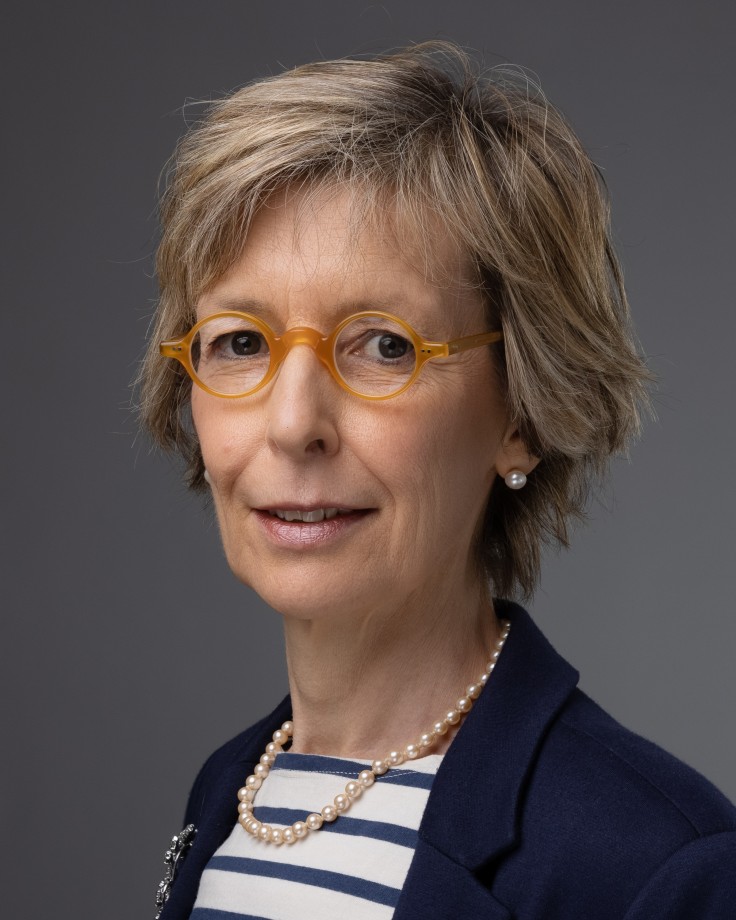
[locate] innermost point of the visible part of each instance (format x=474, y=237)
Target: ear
x=514, y=455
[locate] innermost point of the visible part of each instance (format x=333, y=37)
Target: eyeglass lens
x=372, y=354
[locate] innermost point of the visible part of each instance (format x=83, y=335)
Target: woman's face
x=409, y=476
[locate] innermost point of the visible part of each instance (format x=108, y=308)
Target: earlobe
x=514, y=462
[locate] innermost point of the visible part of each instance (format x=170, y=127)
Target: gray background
x=129, y=648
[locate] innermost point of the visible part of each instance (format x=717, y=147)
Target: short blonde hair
x=507, y=176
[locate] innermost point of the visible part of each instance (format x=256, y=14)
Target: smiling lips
x=302, y=528
x=313, y=516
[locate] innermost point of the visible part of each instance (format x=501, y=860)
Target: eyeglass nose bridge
x=303, y=335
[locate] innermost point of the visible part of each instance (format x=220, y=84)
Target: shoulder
x=609, y=817
x=600, y=761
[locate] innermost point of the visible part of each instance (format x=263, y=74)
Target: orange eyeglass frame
x=323, y=346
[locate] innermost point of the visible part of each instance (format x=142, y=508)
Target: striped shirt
x=354, y=867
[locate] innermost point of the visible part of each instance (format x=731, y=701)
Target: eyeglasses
x=373, y=355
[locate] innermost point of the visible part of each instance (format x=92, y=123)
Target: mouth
x=311, y=515
x=302, y=529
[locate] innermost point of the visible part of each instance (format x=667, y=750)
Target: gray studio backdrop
x=130, y=651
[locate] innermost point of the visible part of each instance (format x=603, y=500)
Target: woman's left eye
x=387, y=346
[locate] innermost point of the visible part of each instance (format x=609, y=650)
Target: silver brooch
x=173, y=858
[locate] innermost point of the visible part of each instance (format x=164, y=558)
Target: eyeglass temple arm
x=473, y=341
x=178, y=349
x=175, y=348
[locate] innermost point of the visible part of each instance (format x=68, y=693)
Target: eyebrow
x=341, y=308
x=240, y=304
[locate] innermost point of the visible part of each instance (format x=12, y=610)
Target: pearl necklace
x=355, y=788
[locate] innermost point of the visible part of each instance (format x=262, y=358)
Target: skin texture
x=387, y=620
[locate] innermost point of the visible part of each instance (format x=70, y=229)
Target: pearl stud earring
x=515, y=479
x=207, y=479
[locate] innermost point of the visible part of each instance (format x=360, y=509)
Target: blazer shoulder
x=698, y=880
x=602, y=812
x=637, y=769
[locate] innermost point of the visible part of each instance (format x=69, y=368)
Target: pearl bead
x=494, y=656
x=342, y=803
x=243, y=793
x=353, y=789
x=440, y=728
x=483, y=679
x=253, y=826
x=453, y=717
x=329, y=813
x=464, y=704
x=427, y=739
x=267, y=759
x=288, y=727
x=261, y=769
x=244, y=820
x=254, y=782
x=277, y=836
x=300, y=829
x=250, y=795
x=273, y=748
x=366, y=778
x=490, y=666
x=515, y=479
x=412, y=751
x=280, y=736
x=379, y=767
x=288, y=835
x=264, y=832
x=473, y=691
x=395, y=758
x=314, y=822
x=245, y=807
x=499, y=644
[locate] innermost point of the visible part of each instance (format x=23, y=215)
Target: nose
x=302, y=405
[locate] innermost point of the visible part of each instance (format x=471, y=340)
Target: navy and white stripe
x=354, y=867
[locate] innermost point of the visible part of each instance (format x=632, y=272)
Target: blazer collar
x=473, y=810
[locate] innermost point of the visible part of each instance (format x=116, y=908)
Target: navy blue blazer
x=544, y=808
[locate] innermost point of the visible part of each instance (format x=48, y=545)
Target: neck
x=367, y=684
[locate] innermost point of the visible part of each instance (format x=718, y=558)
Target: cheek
x=441, y=461
x=225, y=437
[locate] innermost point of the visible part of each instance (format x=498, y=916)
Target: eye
x=376, y=340
x=243, y=343
x=387, y=345
x=232, y=344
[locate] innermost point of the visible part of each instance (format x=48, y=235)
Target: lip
x=304, y=535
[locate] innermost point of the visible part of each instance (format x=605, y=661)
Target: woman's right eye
x=244, y=343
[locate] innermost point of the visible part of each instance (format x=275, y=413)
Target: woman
x=392, y=285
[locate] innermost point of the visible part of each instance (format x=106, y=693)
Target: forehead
x=337, y=248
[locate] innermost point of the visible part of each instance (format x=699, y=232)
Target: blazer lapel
x=473, y=809
x=437, y=888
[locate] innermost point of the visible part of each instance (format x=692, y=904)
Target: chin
x=300, y=591
x=301, y=603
